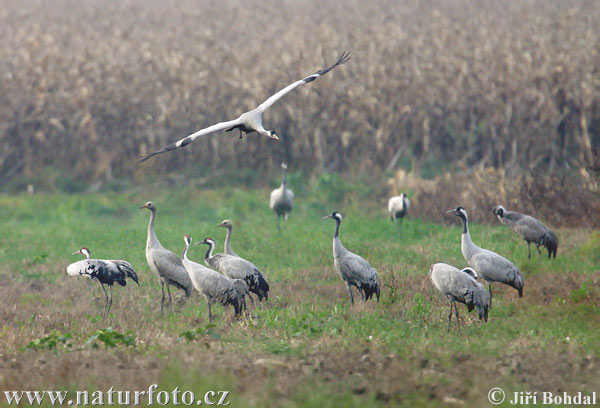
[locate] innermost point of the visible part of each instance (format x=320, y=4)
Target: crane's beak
x=274, y=136
x=450, y=211
x=143, y=206
x=220, y=225
x=76, y=253
x=327, y=216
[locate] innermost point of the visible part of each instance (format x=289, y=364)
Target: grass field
x=306, y=346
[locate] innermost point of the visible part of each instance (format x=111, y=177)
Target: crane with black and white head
x=214, y=286
x=491, y=266
x=282, y=199
x=235, y=267
x=530, y=229
x=353, y=269
x=107, y=272
x=250, y=121
x=460, y=286
x=164, y=263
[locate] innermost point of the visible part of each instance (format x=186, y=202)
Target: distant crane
x=460, y=286
x=250, y=121
x=164, y=263
x=398, y=208
x=282, y=199
x=214, y=286
x=353, y=269
x=107, y=272
x=227, y=247
x=530, y=229
x=491, y=266
x=235, y=267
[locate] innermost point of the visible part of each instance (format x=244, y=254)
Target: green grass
x=306, y=346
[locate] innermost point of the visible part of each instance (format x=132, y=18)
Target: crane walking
x=107, y=272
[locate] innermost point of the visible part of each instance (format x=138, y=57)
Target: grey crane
x=282, y=199
x=460, y=286
x=398, y=207
x=250, y=121
x=353, y=269
x=530, y=229
x=107, y=272
x=214, y=286
x=227, y=246
x=491, y=266
x=164, y=263
x=235, y=267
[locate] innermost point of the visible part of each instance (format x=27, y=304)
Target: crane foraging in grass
x=235, y=267
x=164, y=263
x=491, y=266
x=353, y=269
x=107, y=272
x=214, y=286
x=530, y=229
x=460, y=286
x=282, y=199
x=250, y=121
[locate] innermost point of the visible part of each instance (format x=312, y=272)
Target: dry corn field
x=87, y=86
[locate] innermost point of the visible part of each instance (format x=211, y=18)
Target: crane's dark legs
x=362, y=295
x=170, y=300
x=104, y=312
x=490, y=288
x=279, y=223
x=285, y=220
x=528, y=250
x=209, y=313
x=110, y=302
x=449, y=315
x=162, y=299
x=350, y=291
x=457, y=319
x=539, y=252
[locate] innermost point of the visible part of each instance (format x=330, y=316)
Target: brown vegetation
x=86, y=87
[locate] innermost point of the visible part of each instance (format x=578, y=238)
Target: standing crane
x=491, y=266
x=214, y=286
x=530, y=229
x=282, y=199
x=164, y=263
x=107, y=272
x=353, y=269
x=398, y=208
x=460, y=286
x=235, y=267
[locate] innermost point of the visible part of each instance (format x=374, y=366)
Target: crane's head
x=83, y=251
x=471, y=272
x=403, y=196
x=272, y=135
x=149, y=205
x=207, y=241
x=459, y=212
x=335, y=215
x=283, y=166
x=187, y=239
x=226, y=224
x=499, y=211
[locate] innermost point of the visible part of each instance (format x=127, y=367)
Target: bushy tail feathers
x=551, y=243
x=258, y=284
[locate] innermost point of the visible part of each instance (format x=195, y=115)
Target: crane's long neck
x=185, y=251
x=467, y=246
x=284, y=181
x=337, y=244
x=152, y=241
x=228, y=249
x=209, y=252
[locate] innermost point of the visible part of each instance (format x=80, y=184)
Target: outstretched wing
x=266, y=104
x=189, y=139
